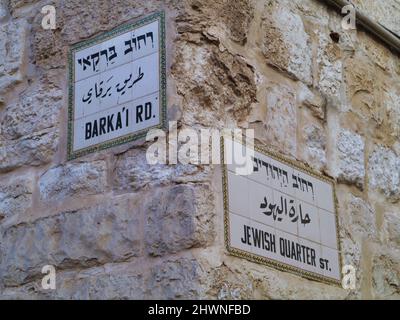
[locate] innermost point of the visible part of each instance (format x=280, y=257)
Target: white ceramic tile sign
x=283, y=216
x=117, y=86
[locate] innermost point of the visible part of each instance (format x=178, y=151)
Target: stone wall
x=115, y=227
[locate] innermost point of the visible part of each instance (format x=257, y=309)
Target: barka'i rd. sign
x=117, y=86
x=282, y=215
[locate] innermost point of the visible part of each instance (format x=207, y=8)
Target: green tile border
x=160, y=16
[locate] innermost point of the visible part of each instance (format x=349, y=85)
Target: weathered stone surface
x=15, y=4
x=384, y=173
x=391, y=227
x=225, y=283
x=386, y=274
x=170, y=279
x=391, y=104
x=357, y=226
x=313, y=100
x=3, y=9
x=380, y=55
x=329, y=66
x=35, y=110
x=279, y=286
x=361, y=219
x=116, y=282
x=316, y=146
x=178, y=218
x=351, y=164
x=89, y=237
x=101, y=284
x=16, y=196
x=217, y=87
x=234, y=280
x=311, y=11
x=175, y=279
x=12, y=53
x=363, y=88
x=33, y=150
x=133, y=173
x=233, y=18
x=286, y=45
x=281, y=113
x=81, y=179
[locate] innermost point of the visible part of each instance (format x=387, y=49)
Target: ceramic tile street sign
x=117, y=86
x=282, y=215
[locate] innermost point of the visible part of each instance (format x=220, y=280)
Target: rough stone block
x=386, y=274
x=315, y=152
x=329, y=63
x=33, y=150
x=133, y=173
x=281, y=113
x=178, y=218
x=391, y=228
x=174, y=279
x=109, y=232
x=217, y=87
x=351, y=164
x=12, y=52
x=112, y=283
x=3, y=9
x=286, y=45
x=312, y=100
x=36, y=110
x=81, y=179
x=16, y=196
x=384, y=173
x=361, y=219
x=233, y=18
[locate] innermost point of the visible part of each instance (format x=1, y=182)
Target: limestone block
x=384, y=173
x=391, y=228
x=363, y=88
x=33, y=150
x=117, y=282
x=281, y=123
x=12, y=53
x=34, y=111
x=351, y=164
x=313, y=100
x=3, y=9
x=329, y=65
x=315, y=152
x=391, y=102
x=361, y=219
x=178, y=218
x=174, y=279
x=217, y=87
x=386, y=274
x=233, y=18
x=81, y=179
x=16, y=196
x=133, y=173
x=286, y=45
x=108, y=232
